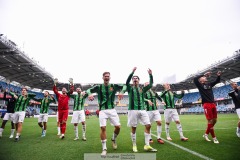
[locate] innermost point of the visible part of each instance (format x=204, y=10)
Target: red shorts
x=62, y=115
x=210, y=110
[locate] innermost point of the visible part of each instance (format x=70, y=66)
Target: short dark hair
x=135, y=76
x=105, y=73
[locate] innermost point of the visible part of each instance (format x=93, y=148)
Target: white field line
x=186, y=149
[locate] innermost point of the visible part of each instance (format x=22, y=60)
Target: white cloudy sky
x=83, y=38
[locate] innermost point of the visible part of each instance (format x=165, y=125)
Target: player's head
x=64, y=90
x=78, y=90
x=234, y=85
x=135, y=80
x=46, y=93
x=203, y=79
x=106, y=77
x=166, y=86
x=24, y=91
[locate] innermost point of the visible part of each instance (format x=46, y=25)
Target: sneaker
x=206, y=137
x=76, y=138
x=59, y=134
x=135, y=149
x=215, y=141
x=84, y=138
x=62, y=137
x=17, y=139
x=149, y=148
x=160, y=141
x=184, y=139
x=169, y=138
x=114, y=144
x=11, y=136
x=150, y=141
x=104, y=153
x=43, y=135
x=238, y=134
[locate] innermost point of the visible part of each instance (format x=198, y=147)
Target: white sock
x=44, y=132
x=12, y=131
x=1, y=129
x=17, y=135
x=76, y=131
x=84, y=130
x=179, y=127
x=147, y=137
x=150, y=134
x=134, y=138
x=104, y=144
x=159, y=131
x=167, y=128
x=114, y=136
x=58, y=128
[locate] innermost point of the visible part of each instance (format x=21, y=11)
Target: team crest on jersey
x=111, y=88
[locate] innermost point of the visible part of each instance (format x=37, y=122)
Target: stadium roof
x=15, y=65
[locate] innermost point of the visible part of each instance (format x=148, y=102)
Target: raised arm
x=130, y=76
x=149, y=86
x=217, y=79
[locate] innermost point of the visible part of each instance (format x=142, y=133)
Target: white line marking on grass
x=185, y=149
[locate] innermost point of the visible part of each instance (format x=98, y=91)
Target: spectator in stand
x=210, y=110
x=63, y=105
x=235, y=94
x=10, y=111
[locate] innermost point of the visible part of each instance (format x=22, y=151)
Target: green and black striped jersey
x=22, y=102
x=168, y=98
x=136, y=94
x=106, y=94
x=152, y=96
x=79, y=101
x=45, y=102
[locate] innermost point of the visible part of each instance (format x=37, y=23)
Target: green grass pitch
x=32, y=146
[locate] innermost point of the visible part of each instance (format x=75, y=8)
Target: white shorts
x=137, y=116
x=238, y=112
x=8, y=116
x=171, y=114
x=78, y=116
x=110, y=114
x=43, y=118
x=154, y=116
x=19, y=116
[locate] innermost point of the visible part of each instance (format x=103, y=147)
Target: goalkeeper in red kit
x=63, y=105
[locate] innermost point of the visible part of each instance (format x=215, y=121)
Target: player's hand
x=55, y=80
x=149, y=71
x=150, y=103
x=83, y=93
x=207, y=74
x=91, y=97
x=134, y=69
x=71, y=81
x=219, y=73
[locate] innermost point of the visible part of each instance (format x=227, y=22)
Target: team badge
x=111, y=88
